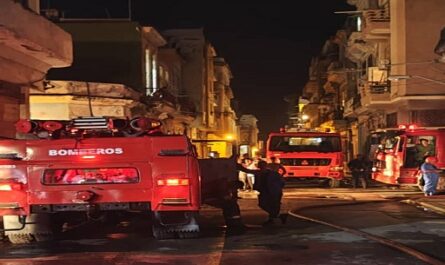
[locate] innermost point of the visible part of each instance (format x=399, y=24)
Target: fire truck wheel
x=168, y=225
x=188, y=234
x=37, y=227
x=20, y=238
x=160, y=230
x=161, y=233
x=191, y=229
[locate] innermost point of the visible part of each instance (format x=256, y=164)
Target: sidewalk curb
x=426, y=205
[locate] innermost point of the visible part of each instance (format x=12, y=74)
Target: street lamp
x=406, y=77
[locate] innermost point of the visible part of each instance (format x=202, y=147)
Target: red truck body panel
x=156, y=160
x=393, y=165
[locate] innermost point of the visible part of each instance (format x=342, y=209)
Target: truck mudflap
x=169, y=225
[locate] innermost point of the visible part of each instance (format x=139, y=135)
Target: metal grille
x=305, y=162
x=91, y=123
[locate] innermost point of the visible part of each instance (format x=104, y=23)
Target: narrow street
x=128, y=126
x=379, y=211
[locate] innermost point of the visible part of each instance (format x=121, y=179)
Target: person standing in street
x=250, y=178
x=430, y=174
x=358, y=167
x=245, y=160
x=270, y=185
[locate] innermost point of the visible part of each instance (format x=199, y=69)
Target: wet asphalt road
x=127, y=240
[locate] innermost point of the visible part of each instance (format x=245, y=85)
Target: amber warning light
x=409, y=127
x=173, y=182
x=10, y=186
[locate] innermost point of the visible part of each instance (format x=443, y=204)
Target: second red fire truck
x=398, y=154
x=308, y=154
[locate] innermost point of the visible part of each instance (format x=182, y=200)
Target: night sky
x=267, y=45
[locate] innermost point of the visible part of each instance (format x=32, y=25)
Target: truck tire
x=20, y=238
x=188, y=234
x=37, y=227
x=169, y=225
x=161, y=233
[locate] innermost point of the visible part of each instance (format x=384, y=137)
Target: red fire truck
x=93, y=165
x=308, y=154
x=398, y=154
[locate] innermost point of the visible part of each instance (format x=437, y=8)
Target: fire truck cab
x=398, y=154
x=89, y=166
x=308, y=154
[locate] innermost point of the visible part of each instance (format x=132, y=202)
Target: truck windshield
x=76, y=176
x=305, y=144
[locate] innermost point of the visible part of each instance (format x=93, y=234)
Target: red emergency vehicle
x=93, y=165
x=308, y=154
x=398, y=154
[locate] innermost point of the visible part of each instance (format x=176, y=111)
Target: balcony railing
x=373, y=94
x=378, y=87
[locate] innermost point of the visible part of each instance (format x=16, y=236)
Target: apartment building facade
x=385, y=69
x=30, y=45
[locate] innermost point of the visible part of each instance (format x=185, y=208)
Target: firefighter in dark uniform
x=270, y=185
x=358, y=167
x=276, y=165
